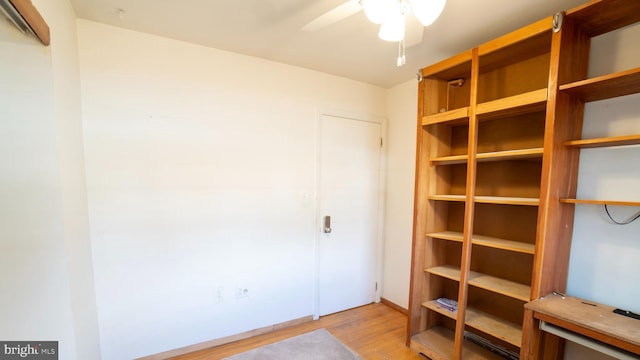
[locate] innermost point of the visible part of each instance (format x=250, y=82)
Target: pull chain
x=402, y=59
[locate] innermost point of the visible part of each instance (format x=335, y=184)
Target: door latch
x=327, y=224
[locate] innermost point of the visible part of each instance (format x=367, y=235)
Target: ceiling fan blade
x=332, y=16
x=413, y=31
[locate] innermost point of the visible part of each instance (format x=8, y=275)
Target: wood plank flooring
x=374, y=331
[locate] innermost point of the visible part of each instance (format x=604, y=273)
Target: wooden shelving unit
x=499, y=141
x=570, y=88
x=481, y=145
x=621, y=83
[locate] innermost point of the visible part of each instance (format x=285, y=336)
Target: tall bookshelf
x=570, y=89
x=498, y=141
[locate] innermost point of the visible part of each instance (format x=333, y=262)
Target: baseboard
x=394, y=306
x=225, y=340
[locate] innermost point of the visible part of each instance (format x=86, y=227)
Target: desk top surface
x=590, y=315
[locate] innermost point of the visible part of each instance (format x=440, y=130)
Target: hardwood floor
x=374, y=331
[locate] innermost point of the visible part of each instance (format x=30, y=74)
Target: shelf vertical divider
x=559, y=172
x=419, y=220
x=465, y=264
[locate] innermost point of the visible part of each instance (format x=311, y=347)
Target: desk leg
x=536, y=344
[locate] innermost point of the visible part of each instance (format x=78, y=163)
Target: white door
x=349, y=177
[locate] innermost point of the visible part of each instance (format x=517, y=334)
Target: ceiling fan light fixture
x=377, y=11
x=393, y=28
x=427, y=11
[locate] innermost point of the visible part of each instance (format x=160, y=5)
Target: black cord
x=632, y=219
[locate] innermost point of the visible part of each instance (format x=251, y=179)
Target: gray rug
x=314, y=345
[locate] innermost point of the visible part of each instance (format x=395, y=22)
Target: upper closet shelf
x=606, y=86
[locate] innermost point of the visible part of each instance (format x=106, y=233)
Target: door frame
x=318, y=224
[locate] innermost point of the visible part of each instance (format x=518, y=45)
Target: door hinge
x=376, y=286
x=380, y=142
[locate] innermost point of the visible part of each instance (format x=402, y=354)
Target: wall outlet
x=219, y=295
x=242, y=292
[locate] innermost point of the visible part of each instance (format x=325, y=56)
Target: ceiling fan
x=400, y=20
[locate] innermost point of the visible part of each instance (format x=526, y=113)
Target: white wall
x=197, y=160
x=47, y=289
x=605, y=258
x=66, y=90
x=402, y=110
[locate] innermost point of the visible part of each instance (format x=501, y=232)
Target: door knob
x=327, y=224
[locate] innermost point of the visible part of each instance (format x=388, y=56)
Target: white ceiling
x=271, y=29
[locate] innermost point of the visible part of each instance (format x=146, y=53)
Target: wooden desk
x=592, y=324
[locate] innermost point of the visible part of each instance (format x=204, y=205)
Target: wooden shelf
x=487, y=241
x=501, y=200
x=456, y=116
x=503, y=244
x=500, y=286
x=605, y=142
x=483, y=281
x=434, y=306
x=447, y=197
x=490, y=156
x=450, y=160
x=437, y=344
x=606, y=86
x=600, y=202
x=494, y=326
x=511, y=154
x=445, y=271
x=527, y=103
x=447, y=235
